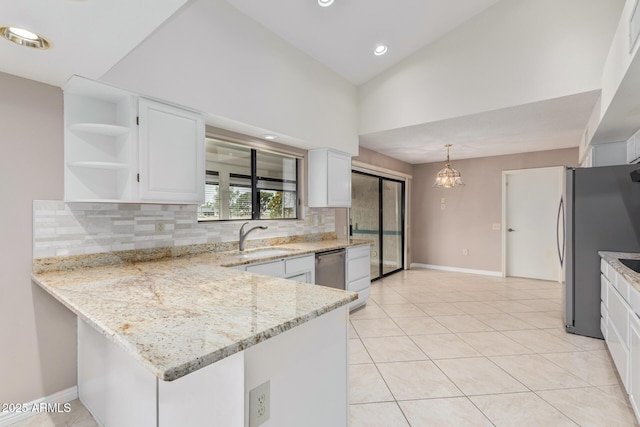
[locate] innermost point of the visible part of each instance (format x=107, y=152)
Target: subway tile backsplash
x=65, y=229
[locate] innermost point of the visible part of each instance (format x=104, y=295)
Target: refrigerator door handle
x=560, y=215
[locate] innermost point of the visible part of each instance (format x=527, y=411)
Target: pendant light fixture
x=448, y=177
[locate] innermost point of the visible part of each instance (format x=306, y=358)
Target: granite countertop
x=613, y=259
x=178, y=314
x=230, y=258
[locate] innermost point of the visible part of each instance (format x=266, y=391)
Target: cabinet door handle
x=510, y=230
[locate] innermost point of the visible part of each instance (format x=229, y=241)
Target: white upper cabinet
x=100, y=142
x=329, y=178
x=109, y=158
x=171, y=153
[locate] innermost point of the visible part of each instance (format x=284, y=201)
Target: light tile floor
x=77, y=417
x=436, y=348
x=448, y=349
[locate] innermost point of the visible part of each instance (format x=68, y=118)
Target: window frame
x=255, y=191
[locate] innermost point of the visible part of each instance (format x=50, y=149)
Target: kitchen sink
x=260, y=253
x=633, y=264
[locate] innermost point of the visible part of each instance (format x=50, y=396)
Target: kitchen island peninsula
x=187, y=341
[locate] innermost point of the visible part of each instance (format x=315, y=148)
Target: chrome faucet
x=244, y=235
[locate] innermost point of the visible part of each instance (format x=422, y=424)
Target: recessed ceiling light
x=24, y=37
x=270, y=137
x=325, y=3
x=381, y=49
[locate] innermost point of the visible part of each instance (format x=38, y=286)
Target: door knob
x=510, y=230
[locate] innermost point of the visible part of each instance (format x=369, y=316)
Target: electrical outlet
x=259, y=402
x=159, y=226
x=496, y=227
x=465, y=251
x=442, y=206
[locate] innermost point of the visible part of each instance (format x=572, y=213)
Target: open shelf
x=100, y=129
x=100, y=141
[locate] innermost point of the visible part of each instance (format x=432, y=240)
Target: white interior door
x=531, y=211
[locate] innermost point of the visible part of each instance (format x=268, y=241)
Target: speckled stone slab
x=613, y=258
x=225, y=253
x=178, y=314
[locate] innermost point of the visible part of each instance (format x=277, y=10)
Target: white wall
x=516, y=52
x=37, y=334
x=619, y=58
x=211, y=57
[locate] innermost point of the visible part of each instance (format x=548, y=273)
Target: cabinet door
x=329, y=180
x=302, y=269
x=273, y=268
x=634, y=365
x=171, y=153
x=302, y=277
x=339, y=176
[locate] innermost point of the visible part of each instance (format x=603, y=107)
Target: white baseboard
x=457, y=269
x=61, y=397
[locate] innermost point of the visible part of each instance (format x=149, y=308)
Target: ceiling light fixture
x=381, y=49
x=24, y=37
x=270, y=137
x=325, y=3
x=448, y=177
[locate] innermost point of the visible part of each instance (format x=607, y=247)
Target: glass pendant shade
x=448, y=177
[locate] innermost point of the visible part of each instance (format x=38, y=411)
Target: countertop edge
x=613, y=258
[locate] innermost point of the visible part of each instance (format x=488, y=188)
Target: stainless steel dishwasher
x=330, y=268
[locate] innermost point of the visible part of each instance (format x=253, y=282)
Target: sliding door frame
x=402, y=215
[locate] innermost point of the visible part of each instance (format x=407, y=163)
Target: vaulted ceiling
x=90, y=37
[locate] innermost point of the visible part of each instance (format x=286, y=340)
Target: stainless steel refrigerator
x=602, y=213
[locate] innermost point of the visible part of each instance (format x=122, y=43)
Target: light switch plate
x=259, y=404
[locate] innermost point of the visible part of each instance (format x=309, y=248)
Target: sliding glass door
x=392, y=226
x=365, y=214
x=377, y=214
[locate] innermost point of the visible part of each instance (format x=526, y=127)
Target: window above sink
x=248, y=183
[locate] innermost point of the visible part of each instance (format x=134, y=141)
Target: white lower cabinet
x=308, y=374
x=358, y=273
x=634, y=363
x=113, y=386
x=617, y=333
x=604, y=292
x=213, y=395
x=621, y=328
x=120, y=392
x=301, y=268
x=269, y=268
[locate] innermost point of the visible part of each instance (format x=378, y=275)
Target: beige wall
x=38, y=335
x=376, y=159
x=439, y=236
